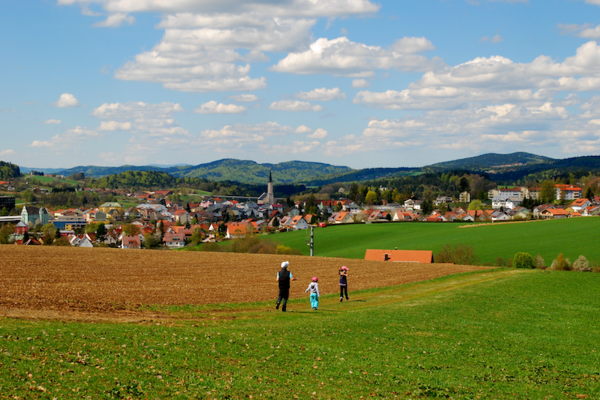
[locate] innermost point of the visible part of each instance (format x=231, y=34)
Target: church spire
x=270, y=178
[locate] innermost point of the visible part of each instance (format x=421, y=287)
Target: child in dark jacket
x=343, y=272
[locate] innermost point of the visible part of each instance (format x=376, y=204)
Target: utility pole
x=312, y=241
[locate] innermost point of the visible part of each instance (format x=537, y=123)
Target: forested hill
x=486, y=161
x=9, y=171
x=228, y=170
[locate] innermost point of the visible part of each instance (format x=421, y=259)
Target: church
x=269, y=197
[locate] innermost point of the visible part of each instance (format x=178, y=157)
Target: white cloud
x=303, y=129
x=322, y=94
x=53, y=122
x=360, y=83
x=293, y=105
x=587, y=31
x=114, y=126
x=318, y=134
x=297, y=147
x=7, y=152
x=68, y=139
x=66, y=100
x=342, y=57
x=243, y=134
x=154, y=120
x=212, y=107
x=287, y=8
x=493, y=39
x=245, y=98
x=115, y=20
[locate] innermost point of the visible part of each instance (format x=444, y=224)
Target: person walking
x=343, y=273
x=313, y=287
x=284, y=277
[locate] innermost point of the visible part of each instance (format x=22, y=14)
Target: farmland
x=105, y=280
x=501, y=334
x=572, y=237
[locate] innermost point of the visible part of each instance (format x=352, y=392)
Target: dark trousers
x=284, y=294
x=342, y=290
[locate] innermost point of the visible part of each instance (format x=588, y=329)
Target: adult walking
x=343, y=273
x=284, y=277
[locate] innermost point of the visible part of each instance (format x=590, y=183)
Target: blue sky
x=347, y=82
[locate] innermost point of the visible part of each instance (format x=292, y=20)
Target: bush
x=500, y=262
x=264, y=247
x=539, y=262
x=523, y=260
x=582, y=265
x=459, y=254
x=210, y=246
x=61, y=241
x=281, y=249
x=509, y=263
x=561, y=264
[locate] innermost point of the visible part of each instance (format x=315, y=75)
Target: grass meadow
x=572, y=237
x=503, y=334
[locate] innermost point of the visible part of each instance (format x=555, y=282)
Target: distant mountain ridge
x=228, y=170
x=490, y=160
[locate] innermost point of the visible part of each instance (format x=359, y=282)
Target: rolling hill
x=489, y=160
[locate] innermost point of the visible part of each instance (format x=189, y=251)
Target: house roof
x=236, y=229
x=579, y=202
x=419, y=256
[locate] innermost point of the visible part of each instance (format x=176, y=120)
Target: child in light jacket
x=314, y=293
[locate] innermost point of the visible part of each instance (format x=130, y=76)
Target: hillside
x=489, y=160
x=227, y=170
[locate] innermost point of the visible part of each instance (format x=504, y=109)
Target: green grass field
x=572, y=237
x=499, y=334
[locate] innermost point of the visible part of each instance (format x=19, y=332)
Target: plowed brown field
x=57, y=278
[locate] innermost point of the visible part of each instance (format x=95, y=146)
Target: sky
x=360, y=83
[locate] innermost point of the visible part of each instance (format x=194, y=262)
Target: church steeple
x=270, y=178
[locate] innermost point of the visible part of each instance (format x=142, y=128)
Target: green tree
x=5, y=231
x=463, y=185
x=48, y=234
x=275, y=222
x=353, y=192
x=523, y=260
x=151, y=241
x=196, y=237
x=427, y=207
x=589, y=194
x=3, y=212
x=101, y=232
x=547, y=192
x=476, y=205
x=371, y=197
x=131, y=230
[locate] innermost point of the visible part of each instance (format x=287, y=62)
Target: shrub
x=523, y=260
x=539, y=262
x=561, y=264
x=61, y=241
x=264, y=247
x=281, y=249
x=500, y=262
x=210, y=246
x=509, y=263
x=243, y=245
x=582, y=264
x=459, y=254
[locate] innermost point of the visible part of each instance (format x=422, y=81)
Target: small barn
x=417, y=256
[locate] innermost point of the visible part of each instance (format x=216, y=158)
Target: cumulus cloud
x=68, y=139
x=587, y=31
x=322, y=94
x=244, y=134
x=145, y=119
x=115, y=20
x=342, y=57
x=6, y=152
x=244, y=98
x=360, y=83
x=114, y=126
x=53, y=122
x=66, y=100
x=318, y=134
x=306, y=129
x=294, y=105
x=212, y=107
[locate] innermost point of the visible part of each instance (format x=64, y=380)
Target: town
x=157, y=221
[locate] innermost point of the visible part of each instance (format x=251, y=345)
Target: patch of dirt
x=68, y=281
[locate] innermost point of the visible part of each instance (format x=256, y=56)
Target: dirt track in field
x=55, y=279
